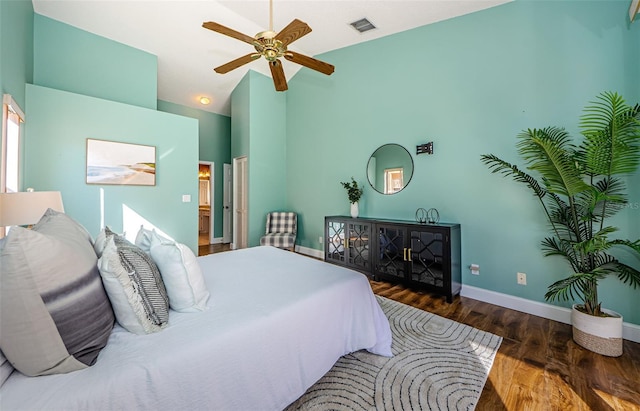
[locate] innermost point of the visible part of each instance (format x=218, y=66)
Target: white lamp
x=25, y=208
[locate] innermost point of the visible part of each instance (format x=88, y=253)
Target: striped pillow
x=134, y=285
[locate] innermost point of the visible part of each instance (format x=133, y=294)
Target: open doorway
x=205, y=203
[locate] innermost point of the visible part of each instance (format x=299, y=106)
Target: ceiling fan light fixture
x=362, y=25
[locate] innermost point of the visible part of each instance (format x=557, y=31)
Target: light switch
x=186, y=198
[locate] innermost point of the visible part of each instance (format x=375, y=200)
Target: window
x=393, y=180
x=12, y=116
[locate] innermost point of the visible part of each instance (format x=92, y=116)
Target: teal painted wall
x=70, y=59
x=267, y=154
x=59, y=124
x=258, y=130
x=214, y=144
x=16, y=48
x=240, y=118
x=16, y=52
x=470, y=85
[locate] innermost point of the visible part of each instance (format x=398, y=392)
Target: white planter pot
x=354, y=210
x=602, y=335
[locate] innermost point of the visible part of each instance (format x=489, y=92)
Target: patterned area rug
x=438, y=364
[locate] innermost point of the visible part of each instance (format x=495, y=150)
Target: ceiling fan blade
x=293, y=32
x=310, y=62
x=234, y=64
x=279, y=80
x=219, y=28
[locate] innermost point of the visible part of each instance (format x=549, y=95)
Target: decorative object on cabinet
x=425, y=148
x=353, y=191
x=433, y=216
x=115, y=163
x=580, y=185
x=414, y=254
x=421, y=215
x=354, y=210
x=389, y=169
x=281, y=230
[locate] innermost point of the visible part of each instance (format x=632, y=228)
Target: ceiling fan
x=272, y=46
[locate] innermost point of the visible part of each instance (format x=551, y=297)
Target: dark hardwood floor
x=212, y=248
x=538, y=366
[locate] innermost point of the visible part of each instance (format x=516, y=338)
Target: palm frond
x=633, y=245
x=571, y=288
x=554, y=246
x=612, y=136
x=499, y=166
x=551, y=153
x=628, y=274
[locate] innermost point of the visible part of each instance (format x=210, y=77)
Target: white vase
x=602, y=335
x=354, y=210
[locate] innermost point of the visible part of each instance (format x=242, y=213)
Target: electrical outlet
x=522, y=278
x=475, y=269
x=320, y=239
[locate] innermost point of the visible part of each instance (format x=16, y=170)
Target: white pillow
x=101, y=240
x=180, y=271
x=143, y=239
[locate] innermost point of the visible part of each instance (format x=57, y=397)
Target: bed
x=275, y=323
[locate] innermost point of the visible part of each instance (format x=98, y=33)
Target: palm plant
x=579, y=188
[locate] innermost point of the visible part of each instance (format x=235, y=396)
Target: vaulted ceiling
x=187, y=53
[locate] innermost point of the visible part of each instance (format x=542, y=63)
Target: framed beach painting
x=110, y=162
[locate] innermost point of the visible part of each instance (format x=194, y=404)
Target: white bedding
x=276, y=322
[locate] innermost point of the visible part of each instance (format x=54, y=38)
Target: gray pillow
x=134, y=285
x=55, y=316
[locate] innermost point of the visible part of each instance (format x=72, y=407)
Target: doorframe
x=227, y=205
x=211, y=165
x=236, y=193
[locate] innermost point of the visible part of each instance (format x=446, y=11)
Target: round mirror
x=390, y=169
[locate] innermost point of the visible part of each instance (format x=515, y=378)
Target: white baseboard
x=311, y=252
x=630, y=331
x=217, y=240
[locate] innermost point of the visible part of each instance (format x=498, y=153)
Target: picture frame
x=117, y=163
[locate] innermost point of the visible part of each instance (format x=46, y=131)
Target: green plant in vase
x=580, y=186
x=354, y=192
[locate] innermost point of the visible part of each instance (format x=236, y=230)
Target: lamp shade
x=26, y=208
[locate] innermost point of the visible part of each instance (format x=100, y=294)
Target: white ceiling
x=187, y=53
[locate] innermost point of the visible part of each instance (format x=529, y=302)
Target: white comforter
x=276, y=322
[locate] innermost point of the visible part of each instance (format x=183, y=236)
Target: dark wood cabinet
x=423, y=256
x=348, y=242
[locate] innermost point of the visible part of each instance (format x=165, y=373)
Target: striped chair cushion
x=281, y=230
x=282, y=222
x=280, y=240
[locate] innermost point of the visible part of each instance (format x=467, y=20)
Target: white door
x=227, y=211
x=240, y=206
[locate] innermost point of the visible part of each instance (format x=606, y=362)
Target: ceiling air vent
x=363, y=25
